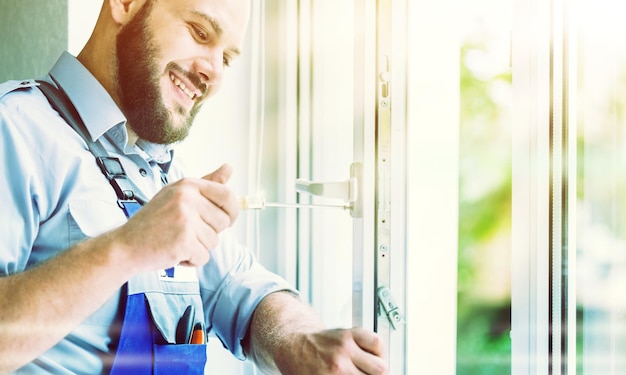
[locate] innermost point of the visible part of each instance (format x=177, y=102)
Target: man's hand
x=288, y=336
x=337, y=351
x=181, y=223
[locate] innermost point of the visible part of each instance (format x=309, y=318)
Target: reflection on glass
x=601, y=229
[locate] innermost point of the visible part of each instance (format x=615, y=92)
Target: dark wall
x=32, y=35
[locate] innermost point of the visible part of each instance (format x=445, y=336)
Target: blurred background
x=485, y=172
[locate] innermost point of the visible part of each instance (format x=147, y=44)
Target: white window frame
x=530, y=195
x=544, y=188
x=422, y=270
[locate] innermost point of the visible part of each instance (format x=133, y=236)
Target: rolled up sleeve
x=232, y=284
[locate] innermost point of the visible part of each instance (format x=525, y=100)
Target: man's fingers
x=368, y=341
x=370, y=360
x=370, y=364
x=221, y=174
x=219, y=194
x=221, y=197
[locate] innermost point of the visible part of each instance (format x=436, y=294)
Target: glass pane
x=484, y=288
x=601, y=231
x=328, y=252
x=305, y=126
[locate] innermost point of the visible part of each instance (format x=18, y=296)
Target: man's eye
x=226, y=60
x=200, y=34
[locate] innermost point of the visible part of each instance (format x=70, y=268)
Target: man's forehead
x=222, y=15
x=240, y=8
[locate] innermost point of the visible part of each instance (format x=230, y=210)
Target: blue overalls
x=155, y=301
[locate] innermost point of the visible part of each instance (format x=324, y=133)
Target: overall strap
x=140, y=351
x=127, y=192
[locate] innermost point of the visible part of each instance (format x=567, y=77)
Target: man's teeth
x=182, y=86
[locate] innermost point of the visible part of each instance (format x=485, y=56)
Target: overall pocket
x=186, y=359
x=148, y=340
x=170, y=358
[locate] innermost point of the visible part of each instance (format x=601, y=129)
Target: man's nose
x=210, y=68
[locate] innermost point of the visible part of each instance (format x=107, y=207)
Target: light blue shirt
x=54, y=195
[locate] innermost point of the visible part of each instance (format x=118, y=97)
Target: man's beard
x=138, y=85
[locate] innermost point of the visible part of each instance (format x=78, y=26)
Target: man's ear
x=123, y=10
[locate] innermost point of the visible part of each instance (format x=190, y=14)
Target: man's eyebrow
x=212, y=21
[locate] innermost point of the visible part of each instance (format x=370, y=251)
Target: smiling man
x=109, y=255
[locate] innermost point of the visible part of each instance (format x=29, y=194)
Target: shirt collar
x=159, y=153
x=96, y=107
x=94, y=104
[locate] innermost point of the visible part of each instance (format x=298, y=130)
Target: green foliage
x=484, y=347
x=483, y=342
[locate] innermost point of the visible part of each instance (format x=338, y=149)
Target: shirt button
x=143, y=172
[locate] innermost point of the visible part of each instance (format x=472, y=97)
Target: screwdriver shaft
x=251, y=203
x=302, y=205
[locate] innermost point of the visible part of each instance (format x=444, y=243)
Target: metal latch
x=348, y=191
x=387, y=305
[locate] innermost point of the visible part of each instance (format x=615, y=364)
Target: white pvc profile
x=571, y=43
x=433, y=97
x=558, y=322
x=531, y=181
x=363, y=310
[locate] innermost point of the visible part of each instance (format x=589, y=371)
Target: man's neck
x=132, y=136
